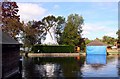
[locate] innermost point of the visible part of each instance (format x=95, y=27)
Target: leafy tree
x=9, y=10
x=47, y=22
x=60, y=27
x=118, y=33
x=73, y=29
x=29, y=34
x=118, y=40
x=10, y=19
x=109, y=40
x=41, y=28
x=87, y=41
x=12, y=27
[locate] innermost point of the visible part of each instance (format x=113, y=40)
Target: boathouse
x=9, y=55
x=96, y=47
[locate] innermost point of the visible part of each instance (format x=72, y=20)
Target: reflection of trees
x=70, y=66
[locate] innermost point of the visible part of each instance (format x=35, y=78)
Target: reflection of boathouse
x=9, y=63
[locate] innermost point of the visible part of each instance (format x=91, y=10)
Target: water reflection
x=99, y=68
x=49, y=70
x=61, y=67
x=119, y=65
x=96, y=59
x=52, y=67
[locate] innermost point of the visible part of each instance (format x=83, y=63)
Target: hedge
x=52, y=49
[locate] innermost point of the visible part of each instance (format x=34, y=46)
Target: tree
x=29, y=34
x=87, y=41
x=12, y=27
x=10, y=19
x=47, y=22
x=109, y=40
x=73, y=29
x=118, y=40
x=9, y=10
x=60, y=27
x=118, y=33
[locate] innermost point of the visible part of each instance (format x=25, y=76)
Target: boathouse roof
x=6, y=39
x=96, y=43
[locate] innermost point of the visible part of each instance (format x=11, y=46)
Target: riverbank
x=51, y=54
x=61, y=54
x=113, y=52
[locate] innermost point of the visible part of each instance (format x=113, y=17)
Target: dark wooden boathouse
x=9, y=53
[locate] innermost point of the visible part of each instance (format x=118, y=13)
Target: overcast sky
x=100, y=18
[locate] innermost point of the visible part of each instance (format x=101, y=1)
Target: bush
x=53, y=49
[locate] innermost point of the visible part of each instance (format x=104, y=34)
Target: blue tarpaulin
x=96, y=50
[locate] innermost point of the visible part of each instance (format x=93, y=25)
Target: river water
x=83, y=67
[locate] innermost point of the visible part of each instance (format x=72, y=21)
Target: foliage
x=10, y=19
x=87, y=41
x=109, y=40
x=32, y=32
x=53, y=49
x=10, y=10
x=29, y=34
x=46, y=23
x=73, y=29
x=118, y=33
x=52, y=21
x=118, y=40
x=12, y=27
x=60, y=27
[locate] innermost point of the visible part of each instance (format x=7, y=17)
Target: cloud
x=98, y=31
x=111, y=34
x=93, y=27
x=30, y=11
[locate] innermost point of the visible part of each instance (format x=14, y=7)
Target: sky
x=100, y=17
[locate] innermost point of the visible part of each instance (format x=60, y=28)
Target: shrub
x=53, y=49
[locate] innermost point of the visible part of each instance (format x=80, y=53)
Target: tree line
x=68, y=31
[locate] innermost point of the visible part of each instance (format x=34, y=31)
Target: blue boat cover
x=96, y=50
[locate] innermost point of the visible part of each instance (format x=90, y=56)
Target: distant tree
x=41, y=28
x=118, y=33
x=87, y=41
x=29, y=34
x=47, y=22
x=73, y=29
x=118, y=40
x=60, y=27
x=109, y=40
